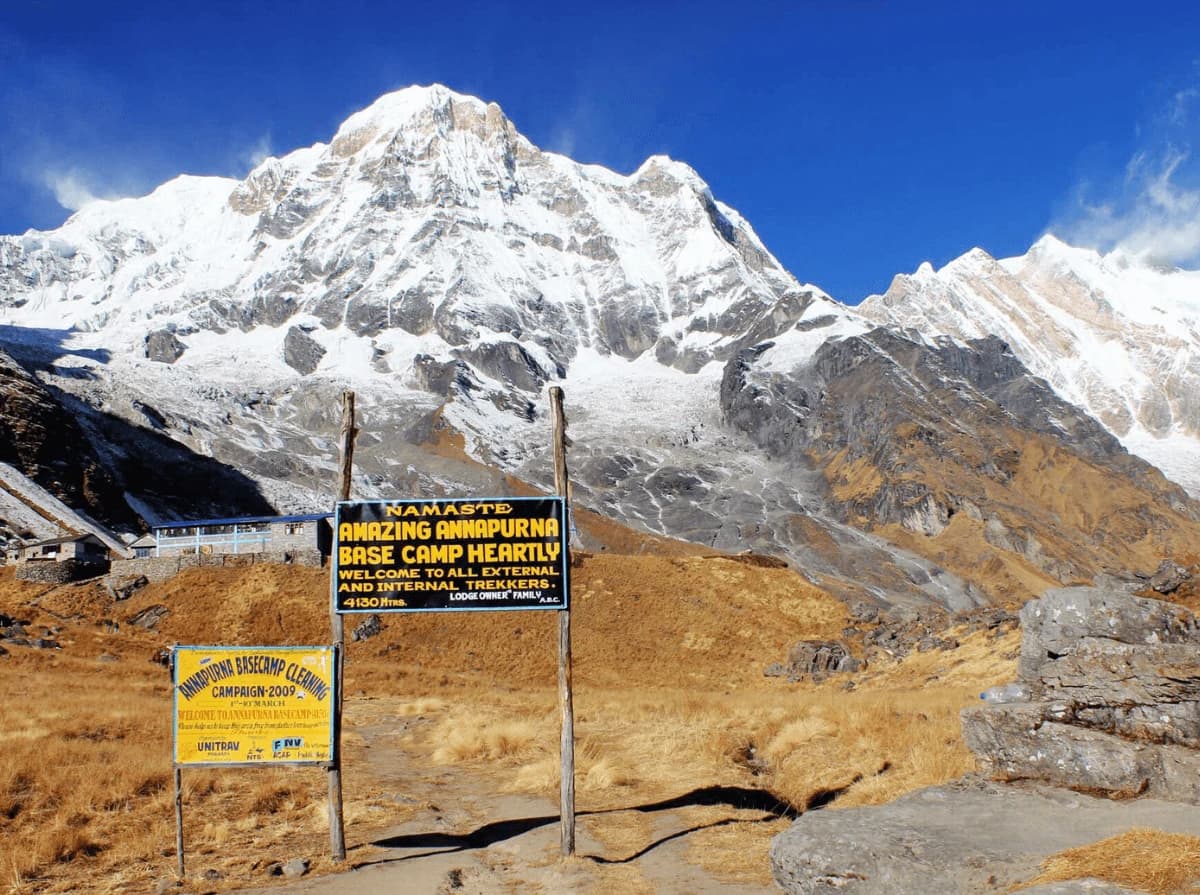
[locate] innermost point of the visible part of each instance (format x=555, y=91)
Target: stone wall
x=51, y=572
x=1112, y=686
x=160, y=568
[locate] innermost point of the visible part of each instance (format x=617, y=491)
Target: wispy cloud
x=254, y=155
x=1153, y=211
x=74, y=188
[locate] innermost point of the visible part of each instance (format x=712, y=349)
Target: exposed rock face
x=42, y=439
x=914, y=437
x=965, y=838
x=1116, y=698
x=301, y=351
x=1054, y=306
x=163, y=346
x=815, y=659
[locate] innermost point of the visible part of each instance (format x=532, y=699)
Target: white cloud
x=563, y=141
x=1153, y=213
x=255, y=154
x=73, y=189
x=1181, y=103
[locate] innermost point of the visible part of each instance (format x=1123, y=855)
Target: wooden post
x=179, y=822
x=566, y=788
x=337, y=834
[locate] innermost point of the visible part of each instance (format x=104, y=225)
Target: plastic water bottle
x=1013, y=692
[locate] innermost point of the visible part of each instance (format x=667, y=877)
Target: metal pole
x=337, y=835
x=566, y=788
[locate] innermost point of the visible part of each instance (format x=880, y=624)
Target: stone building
x=83, y=548
x=247, y=534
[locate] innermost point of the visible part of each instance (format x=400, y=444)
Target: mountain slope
x=435, y=261
x=1111, y=335
x=957, y=452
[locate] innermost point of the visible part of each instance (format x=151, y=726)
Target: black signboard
x=445, y=555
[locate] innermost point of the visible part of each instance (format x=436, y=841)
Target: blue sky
x=859, y=138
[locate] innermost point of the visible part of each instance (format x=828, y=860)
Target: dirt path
x=465, y=837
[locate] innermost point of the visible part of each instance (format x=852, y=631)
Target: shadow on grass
x=737, y=797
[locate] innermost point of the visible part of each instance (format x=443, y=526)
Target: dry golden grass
x=498, y=741
x=670, y=699
x=734, y=848
x=1145, y=860
x=1082, y=513
x=80, y=759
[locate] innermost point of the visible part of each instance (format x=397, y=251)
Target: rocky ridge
x=924, y=438
x=434, y=260
x=1101, y=726
x=1111, y=334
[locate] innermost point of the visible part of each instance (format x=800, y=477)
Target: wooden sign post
x=454, y=555
x=566, y=789
x=249, y=706
x=337, y=834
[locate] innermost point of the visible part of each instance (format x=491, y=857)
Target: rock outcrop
x=965, y=838
x=301, y=351
x=1051, y=306
x=1115, y=698
x=815, y=660
x=1111, y=689
x=954, y=450
x=164, y=346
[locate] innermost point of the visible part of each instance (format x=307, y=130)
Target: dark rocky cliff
x=911, y=435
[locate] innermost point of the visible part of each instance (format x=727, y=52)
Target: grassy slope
x=670, y=697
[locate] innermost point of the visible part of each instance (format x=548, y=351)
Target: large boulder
x=1115, y=684
x=1070, y=619
x=301, y=351
x=964, y=838
x=1019, y=742
x=164, y=346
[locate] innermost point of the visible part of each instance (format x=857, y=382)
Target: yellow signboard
x=253, y=704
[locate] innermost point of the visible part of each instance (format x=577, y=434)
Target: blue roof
x=238, y=520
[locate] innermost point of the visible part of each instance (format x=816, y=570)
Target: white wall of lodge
x=82, y=548
x=237, y=537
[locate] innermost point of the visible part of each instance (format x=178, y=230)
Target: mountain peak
x=1048, y=242
x=1050, y=249
x=395, y=109
x=1108, y=332
x=975, y=259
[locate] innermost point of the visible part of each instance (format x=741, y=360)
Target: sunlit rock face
x=1113, y=335
x=432, y=259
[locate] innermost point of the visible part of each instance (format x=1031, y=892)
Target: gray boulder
x=1115, y=684
x=149, y=617
x=164, y=346
x=301, y=351
x=368, y=628
x=1169, y=577
x=819, y=658
x=964, y=838
x=1018, y=742
x=1066, y=620
x=124, y=587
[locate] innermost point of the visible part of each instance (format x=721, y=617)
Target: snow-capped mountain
x=1112, y=335
x=438, y=263
x=427, y=245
